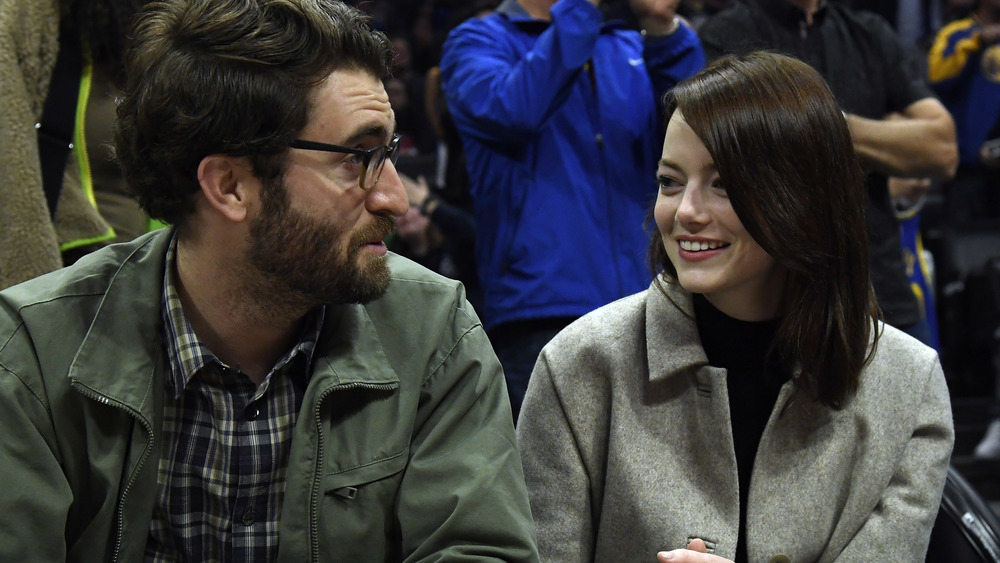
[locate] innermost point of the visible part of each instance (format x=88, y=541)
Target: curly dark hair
x=231, y=77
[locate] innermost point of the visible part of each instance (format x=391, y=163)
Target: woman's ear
x=228, y=185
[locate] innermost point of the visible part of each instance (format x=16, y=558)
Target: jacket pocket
x=349, y=483
x=357, y=512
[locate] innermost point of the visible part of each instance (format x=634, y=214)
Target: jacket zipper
x=314, y=503
x=93, y=395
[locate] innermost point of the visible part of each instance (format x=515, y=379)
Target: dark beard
x=298, y=258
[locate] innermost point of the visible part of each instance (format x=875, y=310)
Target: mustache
x=379, y=229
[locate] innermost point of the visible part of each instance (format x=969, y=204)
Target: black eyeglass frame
x=388, y=152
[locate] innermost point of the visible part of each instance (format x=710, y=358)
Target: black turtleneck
x=741, y=348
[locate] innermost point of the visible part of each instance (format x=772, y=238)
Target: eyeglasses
x=372, y=160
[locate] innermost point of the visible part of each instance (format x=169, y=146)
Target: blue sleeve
x=499, y=92
x=673, y=58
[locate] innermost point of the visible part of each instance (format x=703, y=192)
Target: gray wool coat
x=627, y=448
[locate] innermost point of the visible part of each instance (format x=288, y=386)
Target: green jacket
x=404, y=448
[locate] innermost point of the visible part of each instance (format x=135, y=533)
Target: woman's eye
x=668, y=185
x=720, y=190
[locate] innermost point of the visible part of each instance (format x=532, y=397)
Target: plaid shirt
x=222, y=474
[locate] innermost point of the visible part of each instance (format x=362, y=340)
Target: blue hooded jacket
x=562, y=128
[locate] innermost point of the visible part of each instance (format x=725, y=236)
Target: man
x=898, y=126
x=262, y=381
x=559, y=118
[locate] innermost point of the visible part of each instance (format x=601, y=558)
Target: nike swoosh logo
x=635, y=62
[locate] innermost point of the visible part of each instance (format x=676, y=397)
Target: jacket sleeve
x=899, y=527
x=463, y=495
x=35, y=495
x=28, y=45
x=498, y=93
x=555, y=451
x=954, y=48
x=672, y=59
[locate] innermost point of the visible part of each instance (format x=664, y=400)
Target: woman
x=749, y=403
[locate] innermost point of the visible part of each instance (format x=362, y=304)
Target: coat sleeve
x=499, y=93
x=28, y=45
x=557, y=448
x=463, y=495
x=899, y=527
x=35, y=494
x=672, y=59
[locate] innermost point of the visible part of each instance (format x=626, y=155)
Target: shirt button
x=248, y=518
x=252, y=412
x=780, y=558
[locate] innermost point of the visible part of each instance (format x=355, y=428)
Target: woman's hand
x=696, y=552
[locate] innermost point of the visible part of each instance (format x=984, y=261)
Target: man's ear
x=229, y=185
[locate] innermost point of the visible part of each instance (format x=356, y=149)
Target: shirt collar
x=514, y=11
x=187, y=355
x=789, y=14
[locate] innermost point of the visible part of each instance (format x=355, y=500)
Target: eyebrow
x=370, y=130
x=675, y=166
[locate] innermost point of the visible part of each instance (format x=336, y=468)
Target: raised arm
x=502, y=93
x=920, y=143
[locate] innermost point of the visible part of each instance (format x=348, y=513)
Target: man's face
x=319, y=235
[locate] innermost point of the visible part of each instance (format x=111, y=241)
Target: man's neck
x=246, y=331
x=538, y=9
x=808, y=6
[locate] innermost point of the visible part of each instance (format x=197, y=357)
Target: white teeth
x=693, y=246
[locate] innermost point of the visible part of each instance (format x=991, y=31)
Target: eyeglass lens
x=377, y=163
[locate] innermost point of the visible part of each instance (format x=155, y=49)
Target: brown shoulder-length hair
x=783, y=150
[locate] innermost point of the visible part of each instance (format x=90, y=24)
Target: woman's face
x=704, y=239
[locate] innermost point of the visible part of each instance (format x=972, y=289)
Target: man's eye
x=356, y=159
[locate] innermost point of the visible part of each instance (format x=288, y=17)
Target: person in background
x=46, y=224
x=438, y=235
x=898, y=126
x=749, y=405
x=964, y=69
x=557, y=113
x=262, y=380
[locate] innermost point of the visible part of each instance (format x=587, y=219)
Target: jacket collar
x=670, y=321
x=122, y=357
x=514, y=11
x=351, y=351
x=122, y=353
